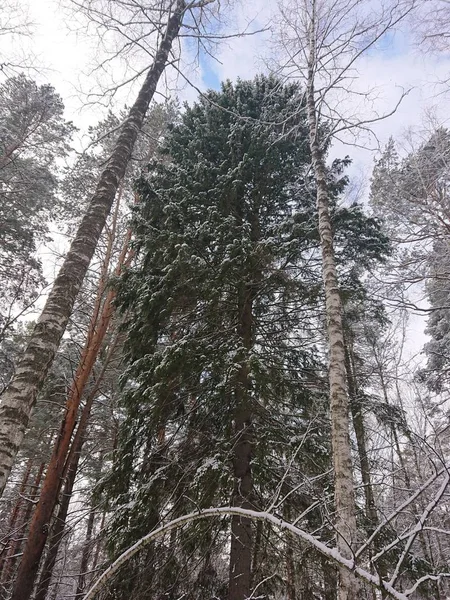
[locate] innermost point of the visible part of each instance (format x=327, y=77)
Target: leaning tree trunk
x=99, y=325
x=346, y=528
x=70, y=472
x=20, y=396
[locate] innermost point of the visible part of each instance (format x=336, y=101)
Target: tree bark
x=346, y=528
x=59, y=460
x=24, y=518
x=360, y=434
x=57, y=533
x=14, y=516
x=241, y=527
x=81, y=585
x=290, y=569
x=71, y=470
x=20, y=396
x=98, y=542
x=240, y=574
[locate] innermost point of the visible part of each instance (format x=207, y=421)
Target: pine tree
x=33, y=136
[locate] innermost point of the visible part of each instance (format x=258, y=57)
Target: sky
x=66, y=55
x=66, y=52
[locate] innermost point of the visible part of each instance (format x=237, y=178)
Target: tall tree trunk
x=240, y=574
x=81, y=585
x=360, y=434
x=71, y=470
x=57, y=534
x=69, y=467
x=18, y=399
x=21, y=530
x=241, y=527
x=346, y=528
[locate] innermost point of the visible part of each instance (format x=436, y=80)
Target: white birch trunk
x=345, y=523
x=18, y=399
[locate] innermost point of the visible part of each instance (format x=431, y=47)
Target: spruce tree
x=226, y=379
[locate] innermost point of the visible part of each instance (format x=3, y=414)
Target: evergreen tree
x=412, y=196
x=225, y=380
x=33, y=136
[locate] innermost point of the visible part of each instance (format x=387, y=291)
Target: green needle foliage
x=227, y=213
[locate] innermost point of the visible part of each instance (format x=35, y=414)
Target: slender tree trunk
x=57, y=534
x=19, y=398
x=21, y=530
x=81, y=585
x=360, y=434
x=38, y=533
x=59, y=525
x=257, y=551
x=14, y=515
x=98, y=543
x=346, y=528
x=290, y=569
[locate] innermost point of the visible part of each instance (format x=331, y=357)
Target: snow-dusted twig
x=438, y=577
x=392, y=516
x=330, y=553
x=419, y=526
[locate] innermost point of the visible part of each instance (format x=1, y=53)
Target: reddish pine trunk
x=18, y=400
x=57, y=534
x=58, y=463
x=23, y=519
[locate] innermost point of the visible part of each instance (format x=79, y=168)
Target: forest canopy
x=223, y=353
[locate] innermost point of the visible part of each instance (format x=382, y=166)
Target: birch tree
x=321, y=42
x=18, y=400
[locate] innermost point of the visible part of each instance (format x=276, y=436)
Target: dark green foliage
x=228, y=210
